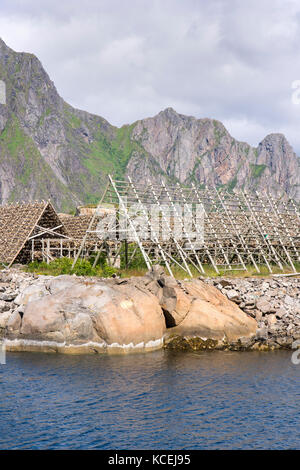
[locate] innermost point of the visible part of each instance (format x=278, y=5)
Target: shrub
x=137, y=262
x=63, y=265
x=84, y=268
x=36, y=266
x=108, y=271
x=101, y=261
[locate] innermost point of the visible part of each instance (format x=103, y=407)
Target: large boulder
x=63, y=282
x=213, y=316
x=94, y=311
x=31, y=293
x=76, y=314
x=43, y=316
x=4, y=317
x=14, y=323
x=130, y=315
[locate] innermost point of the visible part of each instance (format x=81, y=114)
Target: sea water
x=159, y=400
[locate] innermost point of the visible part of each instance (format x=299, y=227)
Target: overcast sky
x=125, y=60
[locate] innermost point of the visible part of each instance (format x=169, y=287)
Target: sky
x=235, y=61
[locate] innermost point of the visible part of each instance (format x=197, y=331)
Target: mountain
x=202, y=151
x=48, y=149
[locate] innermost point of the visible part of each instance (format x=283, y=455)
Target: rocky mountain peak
x=275, y=139
x=3, y=44
x=5, y=52
x=169, y=113
x=48, y=149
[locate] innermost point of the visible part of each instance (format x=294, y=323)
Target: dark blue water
x=160, y=400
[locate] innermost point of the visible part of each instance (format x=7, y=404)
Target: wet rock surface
x=74, y=314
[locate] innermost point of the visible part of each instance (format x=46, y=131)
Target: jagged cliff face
x=50, y=150
x=47, y=148
x=202, y=151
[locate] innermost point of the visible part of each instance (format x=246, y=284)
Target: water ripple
x=163, y=400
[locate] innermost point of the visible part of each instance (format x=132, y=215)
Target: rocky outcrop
x=274, y=303
x=211, y=316
x=202, y=151
x=74, y=314
x=49, y=150
x=92, y=311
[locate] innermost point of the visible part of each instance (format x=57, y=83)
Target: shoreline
x=257, y=313
x=21, y=345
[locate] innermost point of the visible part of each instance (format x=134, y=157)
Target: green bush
x=84, y=268
x=36, y=266
x=101, y=261
x=64, y=266
x=108, y=271
x=137, y=262
x=103, y=269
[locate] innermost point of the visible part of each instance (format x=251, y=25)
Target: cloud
x=230, y=60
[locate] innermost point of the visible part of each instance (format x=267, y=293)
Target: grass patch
x=211, y=273
x=138, y=267
x=257, y=170
x=232, y=184
x=72, y=119
x=28, y=166
x=192, y=176
x=219, y=131
x=64, y=266
x=111, y=155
